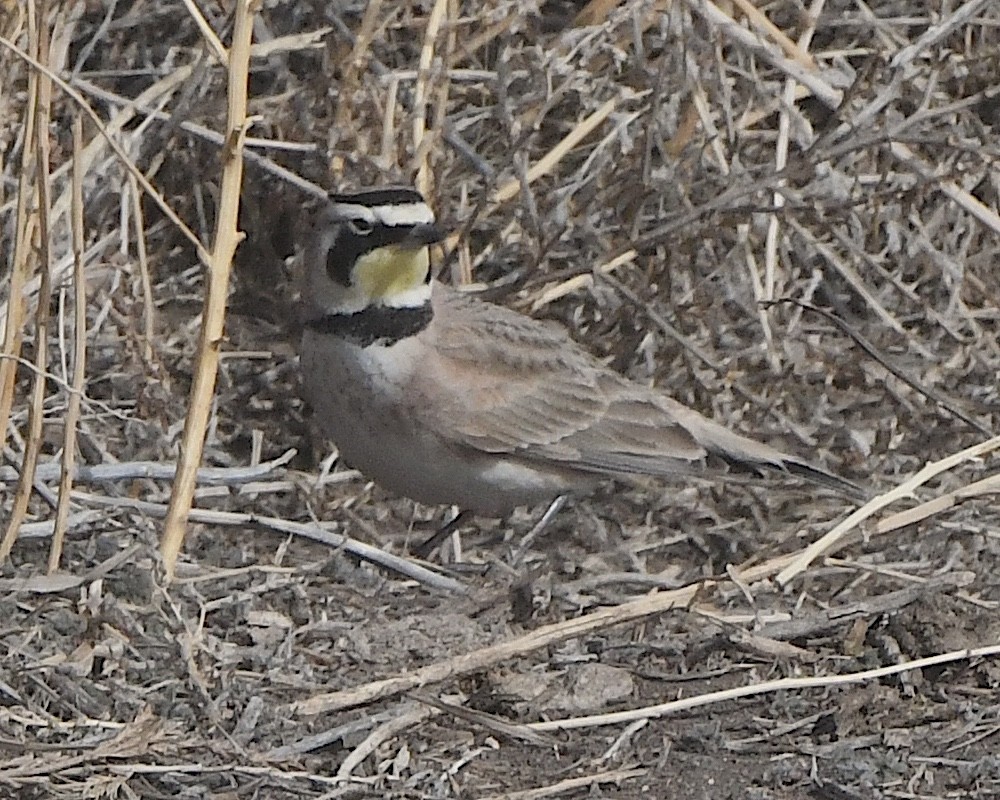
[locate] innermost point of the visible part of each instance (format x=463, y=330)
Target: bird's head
x=371, y=248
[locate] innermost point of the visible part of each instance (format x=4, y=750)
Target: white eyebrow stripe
x=404, y=214
x=400, y=215
x=354, y=211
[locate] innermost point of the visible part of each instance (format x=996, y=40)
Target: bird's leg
x=554, y=508
x=424, y=549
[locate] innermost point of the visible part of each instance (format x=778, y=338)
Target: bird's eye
x=361, y=227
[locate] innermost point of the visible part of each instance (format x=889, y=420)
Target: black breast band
x=382, y=325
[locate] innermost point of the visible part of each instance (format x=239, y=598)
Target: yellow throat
x=387, y=272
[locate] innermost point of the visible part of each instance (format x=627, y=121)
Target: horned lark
x=447, y=399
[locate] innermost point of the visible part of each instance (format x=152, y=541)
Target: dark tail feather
x=821, y=477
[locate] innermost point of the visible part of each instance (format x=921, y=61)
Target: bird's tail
x=742, y=453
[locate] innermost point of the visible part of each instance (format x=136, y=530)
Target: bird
x=439, y=396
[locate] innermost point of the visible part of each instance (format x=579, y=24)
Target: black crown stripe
x=391, y=196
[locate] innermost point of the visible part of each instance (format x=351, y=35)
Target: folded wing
x=530, y=391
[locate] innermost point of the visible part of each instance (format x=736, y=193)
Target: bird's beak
x=423, y=235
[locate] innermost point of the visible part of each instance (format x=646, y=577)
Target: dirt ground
x=788, y=222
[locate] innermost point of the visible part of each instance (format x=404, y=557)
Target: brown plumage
x=469, y=403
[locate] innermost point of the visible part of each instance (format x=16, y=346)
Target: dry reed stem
x=440, y=118
x=548, y=162
x=38, y=34
x=848, y=272
x=585, y=281
x=595, y=12
x=165, y=470
x=374, y=555
x=986, y=215
x=754, y=114
x=494, y=724
x=767, y=687
x=481, y=39
x=936, y=32
x=175, y=78
x=804, y=558
x=765, y=289
x=703, y=113
x=592, y=782
x=942, y=581
x=307, y=40
x=352, y=70
x=421, y=96
x=75, y=395
x=148, y=304
x=21, y=271
x=387, y=158
x=218, y=264
x=114, y=129
x=759, y=20
x=360, y=51
x=215, y=47
x=488, y=656
x=912, y=516
x=823, y=91
x=402, y=721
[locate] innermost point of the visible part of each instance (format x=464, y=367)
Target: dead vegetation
x=785, y=216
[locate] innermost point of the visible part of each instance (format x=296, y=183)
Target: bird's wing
x=526, y=388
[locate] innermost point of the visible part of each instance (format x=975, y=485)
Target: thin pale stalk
x=219, y=262
x=421, y=92
x=36, y=413
x=24, y=228
x=148, y=306
x=79, y=354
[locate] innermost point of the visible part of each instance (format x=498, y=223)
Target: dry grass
x=784, y=216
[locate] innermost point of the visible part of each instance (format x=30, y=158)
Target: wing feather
x=529, y=390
